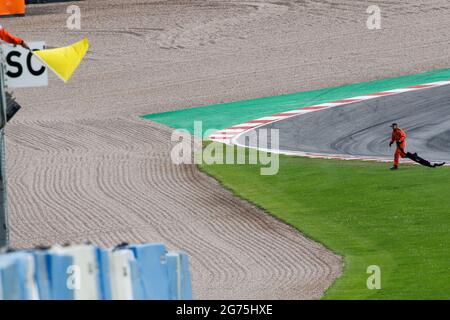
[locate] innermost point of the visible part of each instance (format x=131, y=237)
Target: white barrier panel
x=120, y=271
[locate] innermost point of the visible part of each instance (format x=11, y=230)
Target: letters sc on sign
x=23, y=69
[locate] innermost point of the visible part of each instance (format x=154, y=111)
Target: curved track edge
x=231, y=135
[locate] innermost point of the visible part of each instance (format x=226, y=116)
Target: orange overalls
x=8, y=37
x=399, y=137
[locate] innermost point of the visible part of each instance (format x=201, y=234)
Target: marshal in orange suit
x=399, y=137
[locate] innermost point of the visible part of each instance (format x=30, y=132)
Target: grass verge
x=399, y=221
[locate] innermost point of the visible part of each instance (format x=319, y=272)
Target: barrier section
x=136, y=280
x=57, y=266
x=179, y=277
x=153, y=269
x=12, y=7
x=17, y=276
x=87, y=272
x=12, y=279
x=127, y=278
x=41, y=260
x=104, y=273
x=121, y=279
x=83, y=274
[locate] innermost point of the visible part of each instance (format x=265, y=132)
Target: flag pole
x=4, y=223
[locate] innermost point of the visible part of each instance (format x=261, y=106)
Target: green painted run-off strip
x=221, y=116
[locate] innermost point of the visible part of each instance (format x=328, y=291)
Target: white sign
x=23, y=69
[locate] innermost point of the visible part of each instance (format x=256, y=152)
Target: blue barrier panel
x=144, y=271
x=186, y=286
x=16, y=276
x=41, y=275
x=58, y=265
x=179, y=277
x=104, y=274
x=173, y=262
x=11, y=279
x=153, y=270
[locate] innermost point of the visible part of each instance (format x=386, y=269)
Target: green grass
x=398, y=220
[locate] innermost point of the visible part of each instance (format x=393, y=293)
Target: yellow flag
x=64, y=61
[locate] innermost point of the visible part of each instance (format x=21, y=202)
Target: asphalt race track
x=362, y=129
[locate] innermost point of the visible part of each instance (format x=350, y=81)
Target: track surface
x=362, y=129
x=83, y=166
